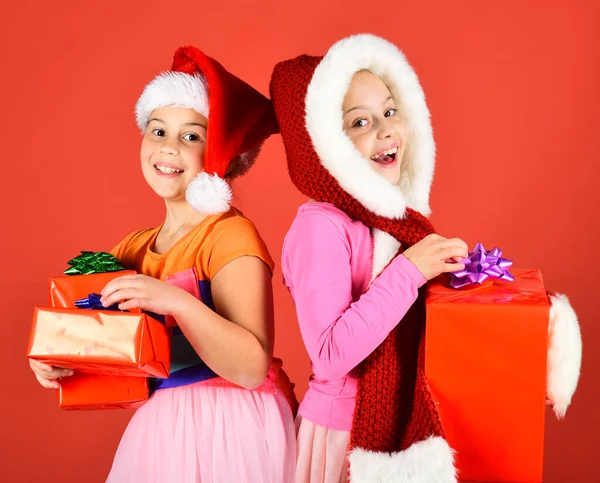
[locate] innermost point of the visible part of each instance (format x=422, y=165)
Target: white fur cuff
x=564, y=354
x=429, y=461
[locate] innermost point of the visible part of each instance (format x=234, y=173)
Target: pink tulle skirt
x=322, y=453
x=209, y=433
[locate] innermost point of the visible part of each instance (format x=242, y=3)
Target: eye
x=391, y=112
x=191, y=137
x=360, y=123
x=158, y=132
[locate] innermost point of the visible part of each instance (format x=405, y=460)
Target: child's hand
x=433, y=255
x=143, y=292
x=46, y=374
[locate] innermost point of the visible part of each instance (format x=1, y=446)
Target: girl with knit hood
x=359, y=144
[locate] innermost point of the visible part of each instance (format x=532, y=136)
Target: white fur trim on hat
x=172, y=89
x=429, y=461
x=208, y=194
x=324, y=99
x=564, y=354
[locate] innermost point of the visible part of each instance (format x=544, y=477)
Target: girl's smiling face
x=172, y=150
x=372, y=122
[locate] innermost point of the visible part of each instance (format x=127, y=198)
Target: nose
x=386, y=129
x=170, y=145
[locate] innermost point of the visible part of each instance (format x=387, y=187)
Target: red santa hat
x=239, y=117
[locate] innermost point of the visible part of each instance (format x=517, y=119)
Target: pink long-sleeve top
x=327, y=265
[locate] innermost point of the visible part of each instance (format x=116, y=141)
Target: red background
x=513, y=91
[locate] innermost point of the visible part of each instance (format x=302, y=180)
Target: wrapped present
x=66, y=290
x=486, y=350
x=100, y=341
x=112, y=352
x=83, y=391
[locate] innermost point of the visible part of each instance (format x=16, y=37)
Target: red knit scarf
x=394, y=407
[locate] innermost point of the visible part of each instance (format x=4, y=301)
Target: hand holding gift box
x=497, y=347
x=103, y=342
x=97, y=341
x=109, y=353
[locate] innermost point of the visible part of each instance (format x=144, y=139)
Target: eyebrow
x=354, y=109
x=365, y=107
x=186, y=124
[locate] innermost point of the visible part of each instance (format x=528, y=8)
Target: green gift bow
x=93, y=262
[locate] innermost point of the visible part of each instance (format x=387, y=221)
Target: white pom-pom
x=564, y=354
x=209, y=194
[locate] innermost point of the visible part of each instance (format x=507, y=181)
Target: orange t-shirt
x=212, y=244
x=208, y=247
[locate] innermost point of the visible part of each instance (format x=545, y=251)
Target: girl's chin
x=170, y=196
x=392, y=175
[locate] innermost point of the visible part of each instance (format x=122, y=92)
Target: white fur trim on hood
x=208, y=194
x=172, y=89
x=564, y=354
x=429, y=461
x=385, y=248
x=324, y=99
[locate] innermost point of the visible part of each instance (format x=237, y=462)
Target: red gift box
x=486, y=351
x=64, y=291
x=100, y=341
x=83, y=391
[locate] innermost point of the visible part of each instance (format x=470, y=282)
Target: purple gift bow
x=481, y=265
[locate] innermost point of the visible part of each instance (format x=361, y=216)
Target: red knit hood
x=323, y=163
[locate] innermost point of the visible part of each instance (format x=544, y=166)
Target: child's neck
x=179, y=220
